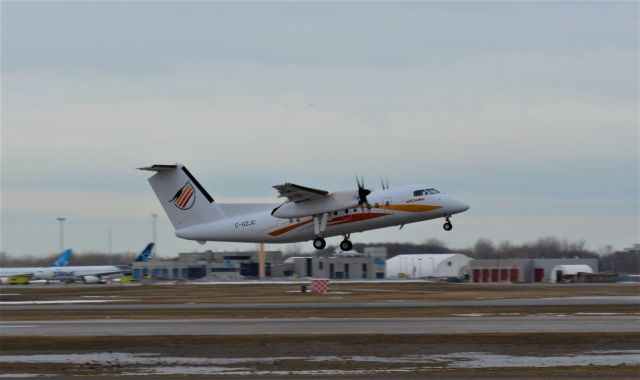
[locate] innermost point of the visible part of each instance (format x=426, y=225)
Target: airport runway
x=569, y=301
x=450, y=325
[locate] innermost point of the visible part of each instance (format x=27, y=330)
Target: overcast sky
x=526, y=110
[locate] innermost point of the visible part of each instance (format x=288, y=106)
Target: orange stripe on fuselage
x=411, y=208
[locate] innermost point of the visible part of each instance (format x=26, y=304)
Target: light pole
x=109, y=240
x=154, y=217
x=420, y=268
x=61, y=220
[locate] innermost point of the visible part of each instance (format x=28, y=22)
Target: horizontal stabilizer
x=158, y=168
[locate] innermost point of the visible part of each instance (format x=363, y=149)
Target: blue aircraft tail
x=63, y=260
x=145, y=255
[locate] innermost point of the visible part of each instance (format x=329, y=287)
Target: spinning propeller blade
x=362, y=192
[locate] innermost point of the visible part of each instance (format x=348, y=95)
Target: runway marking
x=18, y=326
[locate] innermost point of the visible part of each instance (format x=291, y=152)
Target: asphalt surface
x=450, y=325
x=594, y=300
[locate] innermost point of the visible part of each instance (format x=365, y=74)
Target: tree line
x=623, y=262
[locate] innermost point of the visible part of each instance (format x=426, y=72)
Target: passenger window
x=377, y=205
x=355, y=209
x=386, y=203
x=346, y=211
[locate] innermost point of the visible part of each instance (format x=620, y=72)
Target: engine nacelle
x=339, y=200
x=90, y=279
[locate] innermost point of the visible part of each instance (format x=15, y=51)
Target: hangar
x=525, y=270
x=431, y=265
x=562, y=273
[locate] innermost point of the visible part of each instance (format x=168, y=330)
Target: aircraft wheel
x=447, y=226
x=319, y=243
x=346, y=245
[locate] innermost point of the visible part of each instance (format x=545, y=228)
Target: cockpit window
x=418, y=193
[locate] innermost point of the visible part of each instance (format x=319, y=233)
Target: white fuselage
x=76, y=273
x=388, y=207
x=8, y=272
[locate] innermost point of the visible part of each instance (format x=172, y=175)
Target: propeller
x=362, y=192
x=385, y=183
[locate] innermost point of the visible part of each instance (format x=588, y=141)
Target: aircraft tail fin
x=184, y=200
x=63, y=260
x=145, y=255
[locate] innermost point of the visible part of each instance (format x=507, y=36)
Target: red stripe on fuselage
x=356, y=218
x=288, y=228
x=335, y=221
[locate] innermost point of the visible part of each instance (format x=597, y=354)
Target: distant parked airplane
x=60, y=272
x=306, y=214
x=92, y=274
x=23, y=275
x=145, y=255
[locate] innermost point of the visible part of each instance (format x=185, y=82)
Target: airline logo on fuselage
x=185, y=197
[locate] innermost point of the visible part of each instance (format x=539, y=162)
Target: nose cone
x=458, y=206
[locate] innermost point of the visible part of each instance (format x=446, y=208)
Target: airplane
x=145, y=255
x=91, y=274
x=306, y=214
x=23, y=275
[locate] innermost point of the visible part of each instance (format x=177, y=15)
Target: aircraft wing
x=296, y=193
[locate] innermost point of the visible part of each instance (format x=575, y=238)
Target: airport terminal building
x=227, y=266
x=351, y=265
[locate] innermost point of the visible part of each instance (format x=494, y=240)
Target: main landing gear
x=346, y=244
x=319, y=243
x=319, y=226
x=447, y=226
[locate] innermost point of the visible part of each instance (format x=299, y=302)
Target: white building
x=559, y=271
x=442, y=265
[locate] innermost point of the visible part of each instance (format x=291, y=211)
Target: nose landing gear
x=447, y=226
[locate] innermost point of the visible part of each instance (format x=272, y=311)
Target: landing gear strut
x=346, y=244
x=319, y=243
x=447, y=226
x=319, y=226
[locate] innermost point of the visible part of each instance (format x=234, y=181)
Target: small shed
x=561, y=273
